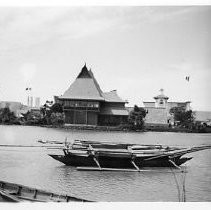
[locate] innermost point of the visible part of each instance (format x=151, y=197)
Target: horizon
x=135, y=50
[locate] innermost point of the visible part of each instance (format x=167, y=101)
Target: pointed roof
x=84, y=87
x=161, y=96
x=84, y=73
x=95, y=81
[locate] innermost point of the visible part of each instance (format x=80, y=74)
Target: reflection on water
x=33, y=167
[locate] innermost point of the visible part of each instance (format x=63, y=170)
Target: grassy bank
x=120, y=128
x=126, y=129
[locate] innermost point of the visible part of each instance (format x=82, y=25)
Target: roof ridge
x=95, y=81
x=85, y=86
x=84, y=73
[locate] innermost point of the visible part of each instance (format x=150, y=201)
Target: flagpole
x=28, y=96
x=187, y=79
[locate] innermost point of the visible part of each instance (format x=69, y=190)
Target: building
x=17, y=107
x=30, y=101
x=85, y=103
x=37, y=102
x=158, y=111
x=202, y=117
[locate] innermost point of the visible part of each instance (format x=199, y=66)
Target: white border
x=20, y=3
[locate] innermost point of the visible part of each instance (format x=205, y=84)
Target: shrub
x=57, y=118
x=136, y=118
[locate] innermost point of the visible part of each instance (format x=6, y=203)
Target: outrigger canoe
x=10, y=192
x=107, y=155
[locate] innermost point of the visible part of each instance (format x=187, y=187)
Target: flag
x=187, y=78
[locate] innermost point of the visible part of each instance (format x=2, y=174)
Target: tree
x=136, y=118
x=33, y=118
x=56, y=108
x=46, y=112
x=57, y=118
x=6, y=116
x=185, y=118
x=52, y=114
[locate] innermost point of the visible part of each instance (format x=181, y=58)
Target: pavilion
x=85, y=103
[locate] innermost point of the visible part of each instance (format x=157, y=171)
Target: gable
x=85, y=87
x=84, y=73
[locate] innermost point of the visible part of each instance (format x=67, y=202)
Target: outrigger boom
x=104, y=156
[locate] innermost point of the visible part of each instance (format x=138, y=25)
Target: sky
x=136, y=50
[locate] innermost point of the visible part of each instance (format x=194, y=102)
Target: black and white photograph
x=105, y=103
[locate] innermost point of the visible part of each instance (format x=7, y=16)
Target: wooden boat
x=10, y=192
x=108, y=155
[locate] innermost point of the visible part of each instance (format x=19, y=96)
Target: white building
x=158, y=111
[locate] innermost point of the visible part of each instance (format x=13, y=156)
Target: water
x=34, y=168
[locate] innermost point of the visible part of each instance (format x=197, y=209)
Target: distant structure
x=30, y=101
x=33, y=102
x=85, y=103
x=158, y=111
x=37, y=102
x=29, y=97
x=203, y=117
x=17, y=107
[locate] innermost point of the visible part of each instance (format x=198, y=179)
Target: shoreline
x=121, y=128
x=124, y=129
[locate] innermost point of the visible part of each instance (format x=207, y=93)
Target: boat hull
x=116, y=162
x=10, y=192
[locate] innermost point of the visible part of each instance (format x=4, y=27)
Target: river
x=33, y=167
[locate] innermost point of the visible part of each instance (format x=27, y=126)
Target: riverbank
x=147, y=128
x=126, y=129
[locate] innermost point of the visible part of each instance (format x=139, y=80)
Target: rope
x=177, y=184
x=183, y=195
x=183, y=187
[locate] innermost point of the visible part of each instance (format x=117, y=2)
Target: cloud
x=159, y=14
x=24, y=27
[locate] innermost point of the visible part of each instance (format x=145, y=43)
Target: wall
x=149, y=104
x=82, y=117
x=156, y=116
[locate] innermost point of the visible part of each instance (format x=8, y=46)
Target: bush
x=184, y=118
x=6, y=116
x=57, y=118
x=56, y=108
x=33, y=118
x=136, y=118
x=52, y=115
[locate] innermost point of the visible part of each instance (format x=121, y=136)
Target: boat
x=10, y=192
x=95, y=155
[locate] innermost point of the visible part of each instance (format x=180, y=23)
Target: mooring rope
x=181, y=196
x=183, y=188
x=177, y=184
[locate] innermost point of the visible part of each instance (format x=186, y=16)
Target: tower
x=31, y=101
x=37, y=102
x=161, y=100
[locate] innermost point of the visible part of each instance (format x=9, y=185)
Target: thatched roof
x=86, y=87
x=112, y=97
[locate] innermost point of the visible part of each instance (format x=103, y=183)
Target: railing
x=82, y=108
